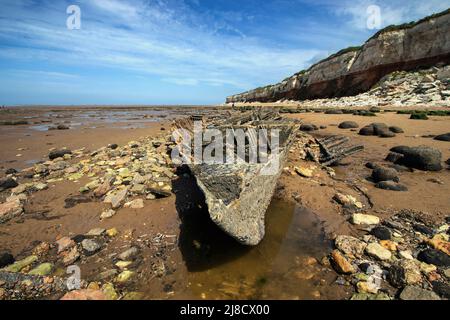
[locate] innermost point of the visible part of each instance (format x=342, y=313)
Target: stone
x=304, y=172
x=6, y=259
x=107, y=214
x=393, y=157
x=388, y=244
x=135, y=204
x=407, y=272
x=423, y=229
x=385, y=174
x=439, y=244
x=64, y=244
x=435, y=257
x=386, y=133
x=417, y=293
x=350, y=245
x=391, y=186
x=423, y=158
x=73, y=200
x=43, y=269
x=427, y=268
x=308, y=127
x=370, y=296
x=118, y=198
x=10, y=209
x=7, y=183
x=377, y=251
x=348, y=125
x=90, y=247
x=19, y=265
x=365, y=219
x=382, y=233
x=379, y=128
x=70, y=256
x=108, y=274
x=396, y=129
x=442, y=289
x=103, y=188
x=124, y=276
x=138, y=189
x=129, y=254
x=447, y=273
x=406, y=254
x=367, y=131
x=347, y=200
x=109, y=291
x=341, y=264
x=443, y=137
x=85, y=294
x=96, y=232
x=123, y=264
x=367, y=287
x=112, y=232
x=58, y=153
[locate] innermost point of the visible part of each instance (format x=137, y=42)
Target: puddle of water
x=279, y=267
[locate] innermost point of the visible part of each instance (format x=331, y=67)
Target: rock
x=72, y=201
x=7, y=183
x=386, y=133
x=19, y=265
x=113, y=146
x=396, y=129
x=6, y=259
x=435, y=257
x=58, y=153
x=367, y=287
x=385, y=174
x=393, y=157
x=124, y=276
x=70, y=256
x=43, y=269
x=108, y=274
x=370, y=296
x=10, y=209
x=442, y=289
x=377, y=251
x=64, y=244
x=304, y=172
x=367, y=131
x=135, y=204
x=107, y=214
x=379, y=128
x=138, y=189
x=382, y=233
x=406, y=255
x=447, y=273
x=308, y=127
x=439, y=243
x=104, y=188
x=123, y=264
x=62, y=127
x=350, y=245
x=84, y=294
x=96, y=232
x=443, y=137
x=417, y=293
x=359, y=218
x=347, y=200
x=109, y=292
x=348, y=125
x=391, y=186
x=423, y=229
x=112, y=232
x=341, y=264
x=129, y=254
x=407, y=272
x=118, y=198
x=422, y=158
x=11, y=171
x=90, y=247
x=419, y=116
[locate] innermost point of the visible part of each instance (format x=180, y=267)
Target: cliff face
x=355, y=70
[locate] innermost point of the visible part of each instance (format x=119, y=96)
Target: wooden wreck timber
x=238, y=193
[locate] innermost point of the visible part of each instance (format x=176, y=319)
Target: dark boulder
x=386, y=133
x=419, y=116
x=367, y=131
x=7, y=183
x=58, y=153
x=391, y=186
x=385, y=174
x=400, y=149
x=6, y=259
x=393, y=157
x=308, y=127
x=381, y=233
x=348, y=125
x=396, y=129
x=379, y=128
x=443, y=137
x=422, y=158
x=433, y=256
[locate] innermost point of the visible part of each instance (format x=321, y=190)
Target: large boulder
x=443, y=137
x=348, y=125
x=384, y=174
x=422, y=158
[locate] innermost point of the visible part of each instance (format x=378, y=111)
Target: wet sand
x=199, y=261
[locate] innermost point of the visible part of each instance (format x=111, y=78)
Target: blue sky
x=174, y=51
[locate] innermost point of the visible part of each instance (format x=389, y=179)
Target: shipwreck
x=239, y=189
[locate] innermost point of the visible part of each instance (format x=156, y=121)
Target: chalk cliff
x=354, y=70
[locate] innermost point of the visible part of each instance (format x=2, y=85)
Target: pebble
x=64, y=244
x=112, y=232
x=382, y=233
x=135, y=204
x=90, y=247
x=341, y=264
x=96, y=232
x=417, y=293
x=377, y=251
x=109, y=291
x=124, y=276
x=365, y=219
x=350, y=245
x=304, y=172
x=107, y=214
x=129, y=254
